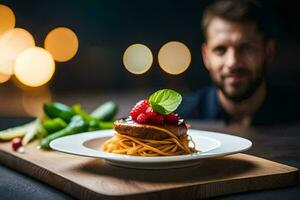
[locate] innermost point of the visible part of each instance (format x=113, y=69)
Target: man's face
x=235, y=56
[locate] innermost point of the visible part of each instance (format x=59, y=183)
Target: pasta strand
x=128, y=145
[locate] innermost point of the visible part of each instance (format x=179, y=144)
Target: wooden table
x=281, y=144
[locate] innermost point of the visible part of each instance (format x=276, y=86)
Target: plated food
x=152, y=129
x=152, y=137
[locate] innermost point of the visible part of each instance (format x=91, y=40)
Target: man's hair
x=238, y=11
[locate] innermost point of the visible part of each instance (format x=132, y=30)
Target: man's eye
x=219, y=50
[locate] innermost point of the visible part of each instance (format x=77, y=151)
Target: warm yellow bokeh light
x=33, y=101
x=4, y=77
x=7, y=19
x=12, y=43
x=137, y=58
x=62, y=43
x=174, y=57
x=34, y=67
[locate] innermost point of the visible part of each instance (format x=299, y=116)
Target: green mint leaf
x=165, y=101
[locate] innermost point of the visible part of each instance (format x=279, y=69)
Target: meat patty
x=128, y=127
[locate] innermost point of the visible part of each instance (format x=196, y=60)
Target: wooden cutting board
x=88, y=178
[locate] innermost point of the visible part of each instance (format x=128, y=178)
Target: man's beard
x=249, y=89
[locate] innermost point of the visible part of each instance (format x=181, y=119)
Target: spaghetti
x=128, y=145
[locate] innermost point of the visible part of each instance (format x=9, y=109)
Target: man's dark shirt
x=281, y=105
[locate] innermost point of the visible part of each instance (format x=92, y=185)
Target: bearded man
x=237, y=50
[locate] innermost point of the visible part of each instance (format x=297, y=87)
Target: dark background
x=105, y=29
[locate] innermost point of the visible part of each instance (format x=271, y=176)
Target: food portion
x=152, y=129
x=60, y=120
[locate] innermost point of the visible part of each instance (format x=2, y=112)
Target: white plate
x=210, y=144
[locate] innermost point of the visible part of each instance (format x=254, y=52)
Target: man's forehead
x=220, y=30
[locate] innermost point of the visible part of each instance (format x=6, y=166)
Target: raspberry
x=139, y=108
x=16, y=143
x=158, y=119
x=150, y=113
x=134, y=113
x=172, y=118
x=142, y=118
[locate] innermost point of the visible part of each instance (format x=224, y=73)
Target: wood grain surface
x=88, y=178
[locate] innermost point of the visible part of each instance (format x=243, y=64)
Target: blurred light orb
x=7, y=19
x=62, y=43
x=12, y=43
x=34, y=67
x=33, y=101
x=4, y=77
x=174, y=57
x=137, y=58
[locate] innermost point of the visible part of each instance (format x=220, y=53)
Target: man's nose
x=232, y=59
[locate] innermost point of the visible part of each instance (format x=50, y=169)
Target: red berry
x=158, y=119
x=142, y=118
x=16, y=143
x=134, y=113
x=139, y=108
x=172, y=118
x=151, y=113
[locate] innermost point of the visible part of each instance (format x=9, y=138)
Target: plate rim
x=89, y=152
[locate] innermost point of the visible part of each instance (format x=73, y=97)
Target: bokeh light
x=174, y=57
x=7, y=19
x=62, y=43
x=4, y=77
x=12, y=43
x=34, y=67
x=137, y=58
x=34, y=99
